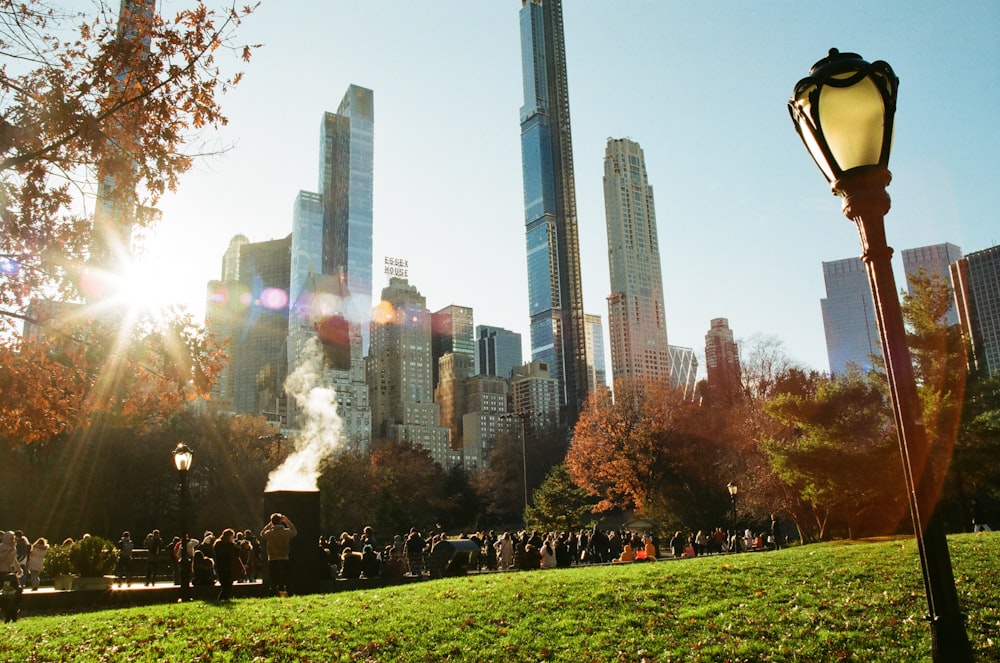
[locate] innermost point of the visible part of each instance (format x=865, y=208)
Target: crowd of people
x=241, y=556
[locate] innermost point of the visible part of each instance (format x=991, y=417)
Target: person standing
x=979, y=523
x=10, y=576
x=125, y=547
x=278, y=534
x=36, y=561
x=776, y=531
x=153, y=544
x=228, y=565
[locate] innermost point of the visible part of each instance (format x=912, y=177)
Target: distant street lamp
x=844, y=111
x=182, y=461
x=733, y=489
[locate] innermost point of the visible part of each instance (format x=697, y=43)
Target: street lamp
x=182, y=461
x=843, y=111
x=733, y=489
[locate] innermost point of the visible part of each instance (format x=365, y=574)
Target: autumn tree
x=91, y=98
x=407, y=487
x=637, y=450
x=98, y=114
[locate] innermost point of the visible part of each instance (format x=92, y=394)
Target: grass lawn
x=827, y=602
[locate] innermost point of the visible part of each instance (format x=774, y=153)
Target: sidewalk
x=50, y=600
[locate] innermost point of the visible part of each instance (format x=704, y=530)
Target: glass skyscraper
x=555, y=292
x=346, y=175
x=849, y=320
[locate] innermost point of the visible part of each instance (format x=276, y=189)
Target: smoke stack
x=306, y=568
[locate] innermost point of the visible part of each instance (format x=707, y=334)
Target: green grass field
x=827, y=602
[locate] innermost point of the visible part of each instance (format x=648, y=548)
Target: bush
x=56, y=561
x=93, y=557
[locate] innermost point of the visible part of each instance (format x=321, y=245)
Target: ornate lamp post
x=733, y=489
x=843, y=111
x=182, y=461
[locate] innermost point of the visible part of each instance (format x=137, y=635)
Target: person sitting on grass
x=628, y=555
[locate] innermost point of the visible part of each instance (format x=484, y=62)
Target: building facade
x=485, y=419
x=597, y=374
x=400, y=376
x=498, y=351
x=849, y=320
x=636, y=317
x=976, y=279
x=452, y=331
x=934, y=259
x=535, y=397
x=346, y=179
x=555, y=290
x=722, y=362
x=684, y=370
x=259, y=359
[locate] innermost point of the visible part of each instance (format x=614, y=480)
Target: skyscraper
x=451, y=331
x=259, y=361
x=976, y=279
x=555, y=292
x=933, y=259
x=722, y=361
x=849, y=316
x=346, y=176
x=498, y=351
x=636, y=317
x=398, y=368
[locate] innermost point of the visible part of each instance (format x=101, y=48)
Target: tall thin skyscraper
x=346, y=176
x=636, y=318
x=933, y=259
x=849, y=316
x=555, y=292
x=976, y=279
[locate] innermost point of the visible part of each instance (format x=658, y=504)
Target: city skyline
x=744, y=219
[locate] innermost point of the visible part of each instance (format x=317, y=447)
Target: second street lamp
x=844, y=113
x=733, y=489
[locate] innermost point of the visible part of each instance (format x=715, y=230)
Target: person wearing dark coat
x=228, y=566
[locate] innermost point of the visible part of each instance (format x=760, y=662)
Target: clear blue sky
x=744, y=216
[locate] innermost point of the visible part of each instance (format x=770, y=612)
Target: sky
x=745, y=218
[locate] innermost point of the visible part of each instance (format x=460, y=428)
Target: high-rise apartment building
x=555, y=291
x=935, y=259
x=976, y=279
x=400, y=377
x=346, y=176
x=454, y=369
x=722, y=362
x=849, y=316
x=535, y=397
x=636, y=316
x=486, y=418
x=498, y=351
x=597, y=375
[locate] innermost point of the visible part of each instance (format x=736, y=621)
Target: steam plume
x=320, y=432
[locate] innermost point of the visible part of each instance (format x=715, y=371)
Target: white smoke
x=320, y=432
